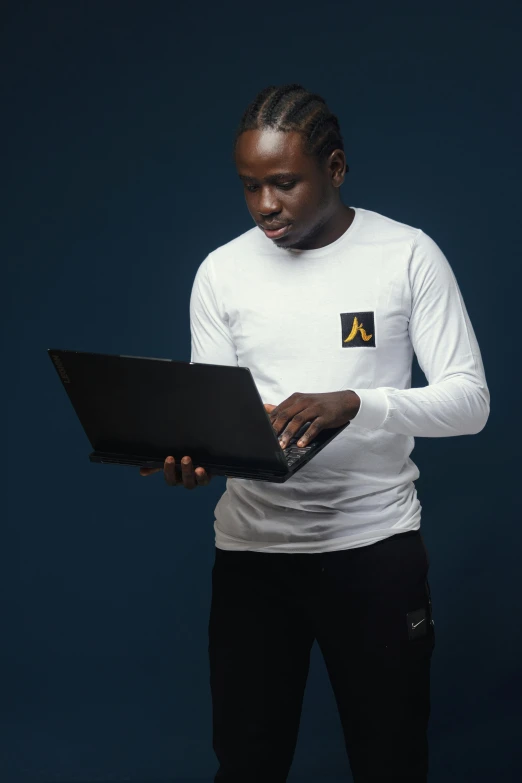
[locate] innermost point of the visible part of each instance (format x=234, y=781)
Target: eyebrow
x=273, y=177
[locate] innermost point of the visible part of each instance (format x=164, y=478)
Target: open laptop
x=137, y=411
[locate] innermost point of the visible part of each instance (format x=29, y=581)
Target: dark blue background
x=120, y=118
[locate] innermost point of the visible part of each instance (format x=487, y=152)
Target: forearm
x=458, y=405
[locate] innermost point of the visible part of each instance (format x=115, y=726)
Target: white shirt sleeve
x=211, y=342
x=456, y=400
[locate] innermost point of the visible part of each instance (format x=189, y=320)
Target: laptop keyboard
x=293, y=453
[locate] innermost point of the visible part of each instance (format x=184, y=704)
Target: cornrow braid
x=291, y=107
x=277, y=100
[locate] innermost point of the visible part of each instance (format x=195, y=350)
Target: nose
x=274, y=213
x=268, y=203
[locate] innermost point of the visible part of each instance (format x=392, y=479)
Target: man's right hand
x=187, y=476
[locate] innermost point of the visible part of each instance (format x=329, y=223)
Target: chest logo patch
x=358, y=330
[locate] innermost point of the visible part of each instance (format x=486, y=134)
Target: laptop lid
x=149, y=408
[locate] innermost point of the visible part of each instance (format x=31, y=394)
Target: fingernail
x=185, y=460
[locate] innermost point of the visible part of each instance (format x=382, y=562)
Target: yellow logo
x=358, y=327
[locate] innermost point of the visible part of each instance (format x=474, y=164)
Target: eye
x=283, y=185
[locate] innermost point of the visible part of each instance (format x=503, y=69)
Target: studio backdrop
x=119, y=180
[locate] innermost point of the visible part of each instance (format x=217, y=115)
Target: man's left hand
x=325, y=410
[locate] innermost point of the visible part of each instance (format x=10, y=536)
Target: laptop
x=138, y=410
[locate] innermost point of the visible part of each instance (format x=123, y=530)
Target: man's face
x=285, y=186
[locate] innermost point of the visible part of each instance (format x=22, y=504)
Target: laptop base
x=232, y=472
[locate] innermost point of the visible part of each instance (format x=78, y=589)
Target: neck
x=339, y=222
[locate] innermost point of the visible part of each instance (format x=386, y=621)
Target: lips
x=276, y=230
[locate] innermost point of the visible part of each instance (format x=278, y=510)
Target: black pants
x=369, y=610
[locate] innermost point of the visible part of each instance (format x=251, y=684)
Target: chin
x=287, y=242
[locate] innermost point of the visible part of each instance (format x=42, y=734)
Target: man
x=326, y=304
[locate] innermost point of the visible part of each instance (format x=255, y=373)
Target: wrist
x=353, y=404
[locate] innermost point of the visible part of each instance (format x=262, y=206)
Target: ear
x=336, y=165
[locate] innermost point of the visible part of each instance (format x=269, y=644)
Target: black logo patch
x=417, y=623
x=358, y=330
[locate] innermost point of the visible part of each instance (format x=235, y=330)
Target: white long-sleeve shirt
x=345, y=316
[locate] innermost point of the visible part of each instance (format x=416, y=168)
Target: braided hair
x=293, y=108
